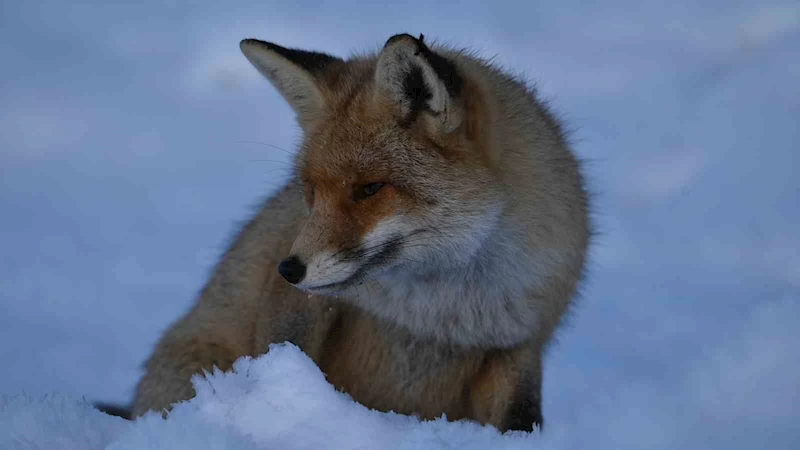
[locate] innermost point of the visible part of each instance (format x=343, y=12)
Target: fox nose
x=292, y=269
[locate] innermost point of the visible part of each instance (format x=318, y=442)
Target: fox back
x=424, y=251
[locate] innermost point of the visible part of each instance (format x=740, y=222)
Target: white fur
x=478, y=296
x=326, y=267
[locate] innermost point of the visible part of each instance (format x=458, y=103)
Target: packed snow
x=280, y=400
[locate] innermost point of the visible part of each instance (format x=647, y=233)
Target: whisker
x=415, y=238
x=295, y=154
x=366, y=286
x=277, y=161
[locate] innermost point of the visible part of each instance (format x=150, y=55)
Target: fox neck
x=484, y=303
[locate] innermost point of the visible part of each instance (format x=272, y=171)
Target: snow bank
x=278, y=401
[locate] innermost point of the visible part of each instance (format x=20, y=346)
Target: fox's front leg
x=168, y=372
x=506, y=392
x=202, y=340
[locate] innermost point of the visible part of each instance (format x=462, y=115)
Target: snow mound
x=280, y=400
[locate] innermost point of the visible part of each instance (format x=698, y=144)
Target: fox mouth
x=330, y=288
x=374, y=258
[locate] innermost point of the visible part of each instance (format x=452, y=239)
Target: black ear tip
x=399, y=37
x=421, y=47
x=249, y=43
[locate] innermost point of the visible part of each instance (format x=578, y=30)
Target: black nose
x=292, y=269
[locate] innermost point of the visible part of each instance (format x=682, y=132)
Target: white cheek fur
x=325, y=268
x=386, y=230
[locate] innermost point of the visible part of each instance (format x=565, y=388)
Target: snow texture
x=280, y=400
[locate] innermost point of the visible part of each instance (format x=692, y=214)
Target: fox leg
x=169, y=371
x=506, y=392
x=201, y=341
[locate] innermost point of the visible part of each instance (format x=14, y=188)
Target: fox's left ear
x=420, y=83
x=296, y=74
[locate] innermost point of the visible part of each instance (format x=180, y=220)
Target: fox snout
x=320, y=262
x=292, y=269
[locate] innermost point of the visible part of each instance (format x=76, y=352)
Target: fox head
x=394, y=166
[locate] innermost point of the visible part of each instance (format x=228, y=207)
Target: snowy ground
x=127, y=160
x=278, y=401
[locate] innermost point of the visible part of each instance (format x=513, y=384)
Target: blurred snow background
x=124, y=171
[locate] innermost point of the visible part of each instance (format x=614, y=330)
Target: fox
x=428, y=244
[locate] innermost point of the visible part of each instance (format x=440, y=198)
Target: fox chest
x=385, y=368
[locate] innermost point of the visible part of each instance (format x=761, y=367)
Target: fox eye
x=367, y=190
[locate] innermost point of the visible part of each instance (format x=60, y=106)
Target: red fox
x=430, y=240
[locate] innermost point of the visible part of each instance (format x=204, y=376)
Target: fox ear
x=419, y=81
x=296, y=74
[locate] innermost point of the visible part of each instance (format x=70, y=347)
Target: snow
x=746, y=389
x=280, y=400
